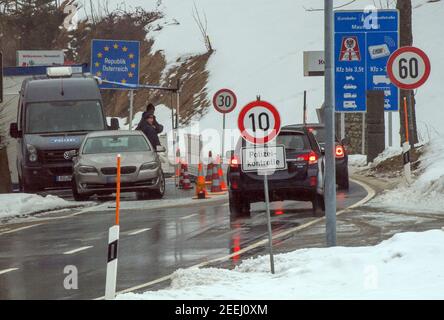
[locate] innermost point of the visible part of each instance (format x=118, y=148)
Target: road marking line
x=138, y=231
x=370, y=194
x=77, y=250
x=20, y=229
x=188, y=217
x=7, y=270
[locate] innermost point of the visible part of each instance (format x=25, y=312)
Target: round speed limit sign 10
x=408, y=68
x=259, y=122
x=225, y=101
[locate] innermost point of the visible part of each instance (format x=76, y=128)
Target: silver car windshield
x=115, y=144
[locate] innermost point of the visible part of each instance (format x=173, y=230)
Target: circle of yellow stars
x=116, y=47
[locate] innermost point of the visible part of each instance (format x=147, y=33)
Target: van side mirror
x=160, y=149
x=114, y=124
x=14, y=131
x=69, y=155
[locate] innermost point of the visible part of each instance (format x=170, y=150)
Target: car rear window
x=293, y=141
x=115, y=144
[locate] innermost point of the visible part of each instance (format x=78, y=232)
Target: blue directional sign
x=116, y=61
x=364, y=42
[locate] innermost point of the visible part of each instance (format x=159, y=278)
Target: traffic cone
x=186, y=178
x=215, y=185
x=209, y=177
x=181, y=176
x=220, y=172
x=201, y=190
x=178, y=168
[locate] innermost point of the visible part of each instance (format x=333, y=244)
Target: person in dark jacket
x=150, y=109
x=148, y=127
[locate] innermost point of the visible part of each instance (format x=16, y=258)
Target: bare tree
x=203, y=27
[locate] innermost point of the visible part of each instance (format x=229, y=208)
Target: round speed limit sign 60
x=408, y=68
x=259, y=122
x=225, y=101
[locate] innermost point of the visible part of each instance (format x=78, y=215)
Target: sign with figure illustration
x=364, y=41
x=116, y=62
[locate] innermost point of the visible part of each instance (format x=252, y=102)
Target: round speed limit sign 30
x=408, y=68
x=225, y=101
x=259, y=122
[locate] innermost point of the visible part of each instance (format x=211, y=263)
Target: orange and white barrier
x=113, y=244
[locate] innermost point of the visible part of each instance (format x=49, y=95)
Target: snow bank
x=407, y=266
x=357, y=160
x=24, y=204
x=426, y=194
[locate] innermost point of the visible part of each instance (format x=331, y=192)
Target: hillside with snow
x=259, y=48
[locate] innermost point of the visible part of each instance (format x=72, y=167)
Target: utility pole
x=330, y=170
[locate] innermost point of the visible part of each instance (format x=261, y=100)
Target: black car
x=341, y=155
x=301, y=181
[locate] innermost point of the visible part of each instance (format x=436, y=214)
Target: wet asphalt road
x=153, y=244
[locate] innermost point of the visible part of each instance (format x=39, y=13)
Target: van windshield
x=64, y=116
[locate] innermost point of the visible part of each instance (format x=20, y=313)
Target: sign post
x=408, y=68
x=259, y=123
x=224, y=101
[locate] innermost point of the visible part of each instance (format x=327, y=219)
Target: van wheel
x=239, y=207
x=77, y=196
x=318, y=205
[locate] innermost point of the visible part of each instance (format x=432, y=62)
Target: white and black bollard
x=113, y=244
x=406, y=161
x=111, y=268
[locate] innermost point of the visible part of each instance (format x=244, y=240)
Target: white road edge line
x=77, y=250
x=370, y=194
x=189, y=217
x=7, y=270
x=138, y=231
x=20, y=229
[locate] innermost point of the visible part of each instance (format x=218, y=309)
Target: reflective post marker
x=406, y=147
x=113, y=244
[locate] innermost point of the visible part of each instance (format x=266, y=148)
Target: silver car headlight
x=149, y=166
x=32, y=153
x=87, y=169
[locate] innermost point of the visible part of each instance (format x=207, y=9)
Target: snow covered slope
x=259, y=46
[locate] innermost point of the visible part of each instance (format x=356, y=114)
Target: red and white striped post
x=113, y=241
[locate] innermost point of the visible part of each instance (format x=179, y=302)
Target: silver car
x=95, y=165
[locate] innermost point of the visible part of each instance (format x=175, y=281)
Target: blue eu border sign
x=364, y=42
x=116, y=61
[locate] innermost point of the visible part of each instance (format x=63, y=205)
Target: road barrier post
x=406, y=147
x=113, y=244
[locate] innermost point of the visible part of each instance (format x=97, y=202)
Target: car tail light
x=339, y=152
x=311, y=158
x=234, y=162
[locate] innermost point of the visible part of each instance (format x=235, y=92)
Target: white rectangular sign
x=314, y=63
x=29, y=58
x=263, y=158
